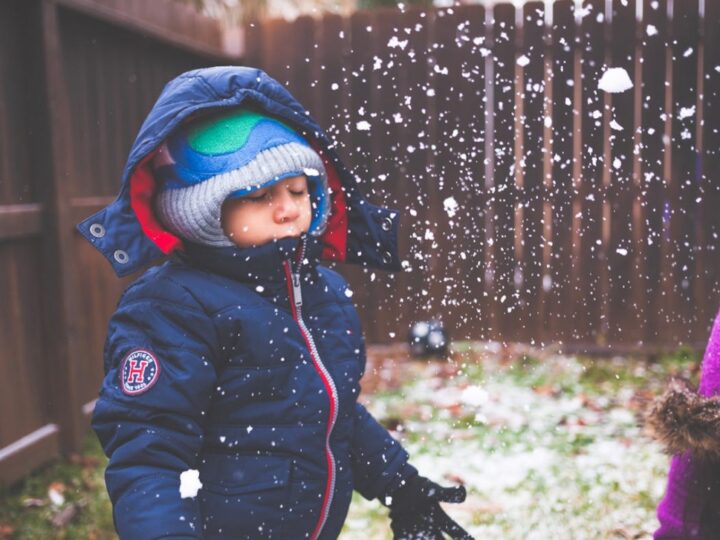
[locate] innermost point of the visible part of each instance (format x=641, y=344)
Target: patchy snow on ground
x=548, y=446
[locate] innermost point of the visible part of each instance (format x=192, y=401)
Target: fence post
x=60, y=287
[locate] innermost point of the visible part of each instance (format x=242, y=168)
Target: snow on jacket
x=688, y=423
x=242, y=363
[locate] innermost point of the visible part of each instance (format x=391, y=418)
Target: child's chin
x=289, y=235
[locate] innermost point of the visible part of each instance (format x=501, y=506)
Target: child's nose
x=286, y=209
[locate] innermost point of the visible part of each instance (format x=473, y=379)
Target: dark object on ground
x=427, y=338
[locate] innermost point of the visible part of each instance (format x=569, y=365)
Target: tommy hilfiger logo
x=138, y=372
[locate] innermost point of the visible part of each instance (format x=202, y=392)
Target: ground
x=548, y=445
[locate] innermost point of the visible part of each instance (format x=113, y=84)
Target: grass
x=548, y=446
x=27, y=512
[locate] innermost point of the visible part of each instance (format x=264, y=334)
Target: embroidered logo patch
x=139, y=371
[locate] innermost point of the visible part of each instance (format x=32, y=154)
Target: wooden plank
x=390, y=114
x=59, y=286
x=625, y=313
x=330, y=93
x=591, y=254
x=419, y=181
x=561, y=295
x=26, y=453
x=164, y=20
x=358, y=152
x=287, y=48
x=652, y=160
x=253, y=41
x=710, y=148
x=458, y=76
x=504, y=189
x=23, y=357
x=332, y=99
x=16, y=149
x=682, y=182
x=20, y=221
x=532, y=309
x=301, y=77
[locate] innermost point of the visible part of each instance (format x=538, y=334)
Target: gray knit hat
x=227, y=156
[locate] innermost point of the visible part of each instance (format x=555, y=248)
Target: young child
x=241, y=356
x=688, y=423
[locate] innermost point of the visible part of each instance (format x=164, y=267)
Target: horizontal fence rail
x=535, y=206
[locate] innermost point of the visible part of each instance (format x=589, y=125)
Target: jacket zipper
x=295, y=292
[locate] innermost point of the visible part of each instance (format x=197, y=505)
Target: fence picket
x=459, y=86
x=531, y=295
x=591, y=290
x=624, y=310
x=561, y=296
x=504, y=190
x=710, y=179
x=682, y=182
x=653, y=46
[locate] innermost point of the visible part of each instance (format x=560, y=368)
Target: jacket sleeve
x=379, y=462
x=690, y=507
x=149, y=416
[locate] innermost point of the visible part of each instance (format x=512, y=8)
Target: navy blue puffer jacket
x=241, y=363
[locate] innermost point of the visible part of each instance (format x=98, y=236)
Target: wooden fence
x=525, y=214
x=535, y=207
x=78, y=78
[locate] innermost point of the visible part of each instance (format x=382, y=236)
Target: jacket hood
x=127, y=231
x=685, y=421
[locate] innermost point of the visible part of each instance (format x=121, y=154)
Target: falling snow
x=615, y=80
x=451, y=206
x=686, y=112
x=189, y=484
x=395, y=42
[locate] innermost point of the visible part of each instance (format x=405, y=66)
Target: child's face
x=277, y=211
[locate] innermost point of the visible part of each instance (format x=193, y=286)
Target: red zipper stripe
x=329, y=388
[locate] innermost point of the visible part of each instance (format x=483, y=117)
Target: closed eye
x=257, y=197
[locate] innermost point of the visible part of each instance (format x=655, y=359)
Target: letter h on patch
x=139, y=371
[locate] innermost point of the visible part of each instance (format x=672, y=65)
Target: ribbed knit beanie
x=229, y=155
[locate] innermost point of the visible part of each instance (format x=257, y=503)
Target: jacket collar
x=258, y=264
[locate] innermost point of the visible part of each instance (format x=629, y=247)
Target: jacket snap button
x=387, y=257
x=387, y=224
x=97, y=230
x=121, y=256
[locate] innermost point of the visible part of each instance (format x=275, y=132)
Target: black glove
x=416, y=515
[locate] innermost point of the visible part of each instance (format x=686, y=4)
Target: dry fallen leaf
x=64, y=516
x=31, y=502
